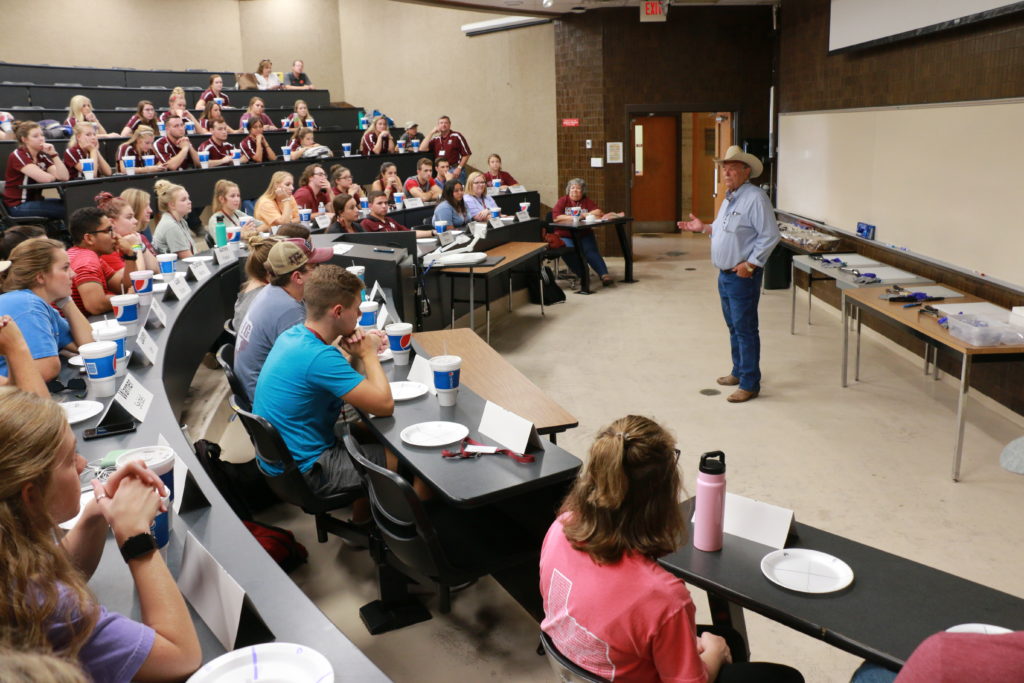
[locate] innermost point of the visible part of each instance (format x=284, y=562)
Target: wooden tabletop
x=926, y=324
x=513, y=253
x=492, y=377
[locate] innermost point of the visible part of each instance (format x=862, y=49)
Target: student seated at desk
x=314, y=191
x=80, y=110
x=217, y=145
x=380, y=221
x=254, y=146
x=255, y=111
x=608, y=605
x=423, y=185
x=172, y=234
x=444, y=173
x=37, y=295
x=387, y=181
x=276, y=205
x=213, y=113
x=145, y=115
x=341, y=181
x=176, y=107
x=256, y=275
x=494, y=172
x=303, y=144
x=142, y=207
x=214, y=92
x=174, y=150
x=346, y=215
x=141, y=256
x=18, y=362
x=140, y=145
x=226, y=205
x=95, y=280
x=377, y=139
x=266, y=79
x=46, y=603
x=974, y=657
x=34, y=161
x=84, y=146
x=453, y=206
x=277, y=307
x=300, y=117
x=576, y=196
x=478, y=203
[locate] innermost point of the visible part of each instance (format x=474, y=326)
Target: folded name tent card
x=211, y=591
x=178, y=288
x=157, y=314
x=413, y=203
x=224, y=255
x=134, y=397
x=512, y=431
x=382, y=316
x=376, y=292
x=421, y=372
x=755, y=521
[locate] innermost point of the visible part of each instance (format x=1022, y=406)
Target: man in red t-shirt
x=174, y=150
x=94, y=281
x=422, y=184
x=218, y=146
x=450, y=144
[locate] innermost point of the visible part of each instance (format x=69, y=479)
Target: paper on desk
x=887, y=273
x=342, y=248
x=420, y=372
x=211, y=591
x=512, y=431
x=985, y=308
x=382, y=316
x=755, y=521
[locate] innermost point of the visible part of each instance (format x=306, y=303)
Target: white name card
x=199, y=270
x=224, y=256
x=147, y=346
x=178, y=288
x=420, y=372
x=323, y=220
x=522, y=216
x=510, y=430
x=211, y=591
x=342, y=248
x=134, y=397
x=755, y=521
x=517, y=188
x=491, y=191
x=495, y=223
x=157, y=313
x=375, y=292
x=382, y=316
x=413, y=202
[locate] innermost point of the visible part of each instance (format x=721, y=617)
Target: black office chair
x=445, y=546
x=226, y=360
x=7, y=220
x=229, y=327
x=567, y=670
x=291, y=487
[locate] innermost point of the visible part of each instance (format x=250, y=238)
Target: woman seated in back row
x=212, y=113
x=255, y=146
x=176, y=106
x=576, y=197
x=139, y=146
x=494, y=172
x=608, y=605
x=300, y=117
x=85, y=145
x=213, y=93
x=255, y=111
x=34, y=161
x=377, y=139
x=266, y=79
x=80, y=110
x=145, y=115
x=46, y=603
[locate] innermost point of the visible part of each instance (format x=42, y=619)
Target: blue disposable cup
x=364, y=203
x=204, y=157
x=236, y=154
x=286, y=152
x=346, y=148
x=415, y=145
x=305, y=215
x=440, y=226
x=88, y=168
x=149, y=160
x=446, y=371
x=129, y=165
x=218, y=100
x=162, y=126
x=100, y=359
x=126, y=307
x=142, y=281
x=495, y=212
x=167, y=262
x=368, y=314
x=496, y=182
x=190, y=127
x=447, y=379
x=160, y=460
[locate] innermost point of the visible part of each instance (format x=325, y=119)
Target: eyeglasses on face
x=108, y=231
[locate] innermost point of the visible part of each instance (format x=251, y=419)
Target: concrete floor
x=870, y=462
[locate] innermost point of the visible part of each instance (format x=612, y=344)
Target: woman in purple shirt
x=45, y=605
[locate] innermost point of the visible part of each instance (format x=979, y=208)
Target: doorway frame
x=676, y=110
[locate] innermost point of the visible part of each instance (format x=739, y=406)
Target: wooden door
x=723, y=140
x=702, y=163
x=655, y=187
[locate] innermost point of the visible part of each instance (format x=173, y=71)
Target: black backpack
x=242, y=484
x=553, y=294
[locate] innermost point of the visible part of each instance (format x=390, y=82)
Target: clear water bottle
x=709, y=518
x=321, y=209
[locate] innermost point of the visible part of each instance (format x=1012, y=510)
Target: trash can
x=777, y=270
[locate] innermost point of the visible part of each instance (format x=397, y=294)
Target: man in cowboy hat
x=742, y=236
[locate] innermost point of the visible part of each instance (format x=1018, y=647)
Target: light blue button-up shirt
x=744, y=230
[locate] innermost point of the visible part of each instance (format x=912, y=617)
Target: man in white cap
x=412, y=132
x=742, y=237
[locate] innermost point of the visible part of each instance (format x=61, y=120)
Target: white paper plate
x=806, y=571
x=433, y=434
x=76, y=362
x=403, y=391
x=197, y=259
x=159, y=287
x=987, y=629
x=267, y=662
x=80, y=411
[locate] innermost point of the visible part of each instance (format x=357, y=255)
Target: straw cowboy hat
x=734, y=153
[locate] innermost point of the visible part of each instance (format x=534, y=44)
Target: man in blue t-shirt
x=306, y=378
x=277, y=307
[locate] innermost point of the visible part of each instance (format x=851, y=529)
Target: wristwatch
x=137, y=546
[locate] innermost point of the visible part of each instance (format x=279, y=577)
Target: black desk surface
x=893, y=604
x=468, y=482
x=192, y=326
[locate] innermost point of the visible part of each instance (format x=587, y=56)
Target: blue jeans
x=47, y=208
x=872, y=673
x=739, y=307
x=590, y=251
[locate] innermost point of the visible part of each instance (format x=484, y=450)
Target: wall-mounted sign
x=570, y=123
x=654, y=10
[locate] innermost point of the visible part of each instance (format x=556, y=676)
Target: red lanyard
x=461, y=453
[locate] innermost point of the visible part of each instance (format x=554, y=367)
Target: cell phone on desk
x=109, y=430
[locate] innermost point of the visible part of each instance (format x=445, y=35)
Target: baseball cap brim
x=320, y=255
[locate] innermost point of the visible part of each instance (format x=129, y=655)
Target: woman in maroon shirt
x=387, y=181
x=377, y=139
x=212, y=113
x=34, y=161
x=494, y=172
x=85, y=145
x=145, y=115
x=576, y=197
x=255, y=146
x=214, y=92
x=341, y=181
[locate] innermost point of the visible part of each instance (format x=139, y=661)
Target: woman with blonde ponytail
x=256, y=274
x=608, y=605
x=46, y=606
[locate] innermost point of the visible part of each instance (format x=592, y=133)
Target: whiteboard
x=943, y=181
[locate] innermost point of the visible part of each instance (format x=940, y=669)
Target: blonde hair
x=253, y=101
x=177, y=92
x=275, y=180
x=626, y=499
x=140, y=201
x=469, y=182
x=259, y=251
x=36, y=666
x=220, y=192
x=76, y=104
x=82, y=127
x=373, y=127
x=165, y=192
x=295, y=107
x=141, y=131
x=263, y=63
x=42, y=587
x=29, y=260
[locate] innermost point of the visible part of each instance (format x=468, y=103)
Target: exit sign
x=570, y=123
x=654, y=10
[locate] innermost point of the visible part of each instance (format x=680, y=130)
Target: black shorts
x=333, y=472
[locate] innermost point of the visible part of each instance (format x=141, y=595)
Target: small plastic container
x=980, y=331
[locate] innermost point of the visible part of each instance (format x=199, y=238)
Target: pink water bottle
x=710, y=511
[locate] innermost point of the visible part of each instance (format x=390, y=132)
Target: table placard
x=200, y=271
x=495, y=223
x=517, y=188
x=755, y=521
x=382, y=316
x=421, y=372
x=224, y=255
x=510, y=430
x=134, y=397
x=492, y=191
x=157, y=314
x=177, y=288
x=523, y=216
x=147, y=346
x=414, y=202
x=211, y=591
x=323, y=221
x=376, y=291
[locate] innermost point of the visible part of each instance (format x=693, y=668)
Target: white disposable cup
x=111, y=330
x=88, y=169
x=415, y=145
x=495, y=212
x=399, y=341
x=446, y=378
x=524, y=206
x=159, y=459
x=399, y=199
x=142, y=283
x=126, y=308
x=401, y=146
x=218, y=100
x=368, y=315
x=496, y=182
x=204, y=159
x=100, y=359
x=286, y=152
x=129, y=165
x=166, y=262
x=148, y=160
x=284, y=122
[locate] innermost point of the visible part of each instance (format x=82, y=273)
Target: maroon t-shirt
x=217, y=151
x=367, y=143
x=505, y=178
x=72, y=155
x=305, y=198
x=135, y=121
x=165, y=150
x=16, y=183
x=587, y=204
x=452, y=147
x=209, y=95
x=373, y=224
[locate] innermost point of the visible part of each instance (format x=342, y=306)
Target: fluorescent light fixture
x=548, y=3
x=501, y=24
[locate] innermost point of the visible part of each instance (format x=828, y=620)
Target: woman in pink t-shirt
x=608, y=605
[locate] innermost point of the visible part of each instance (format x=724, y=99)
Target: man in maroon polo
x=218, y=146
x=174, y=150
x=451, y=145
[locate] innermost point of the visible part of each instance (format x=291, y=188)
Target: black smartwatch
x=137, y=546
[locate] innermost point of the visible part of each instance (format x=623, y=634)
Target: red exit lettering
x=652, y=8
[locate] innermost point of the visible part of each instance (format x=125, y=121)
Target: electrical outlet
x=590, y=144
